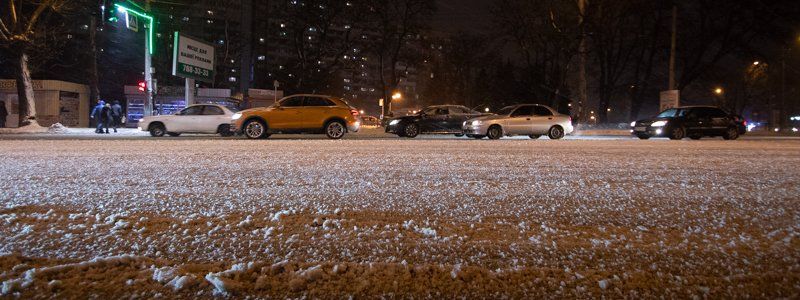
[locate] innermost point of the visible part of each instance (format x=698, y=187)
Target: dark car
x=694, y=122
x=438, y=119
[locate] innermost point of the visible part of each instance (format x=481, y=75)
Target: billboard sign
x=192, y=58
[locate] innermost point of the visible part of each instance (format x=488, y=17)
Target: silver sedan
x=532, y=120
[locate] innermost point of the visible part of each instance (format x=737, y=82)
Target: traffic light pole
x=148, y=78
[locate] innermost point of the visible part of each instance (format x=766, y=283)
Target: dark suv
x=694, y=122
x=439, y=119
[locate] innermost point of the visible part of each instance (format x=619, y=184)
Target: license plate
x=641, y=128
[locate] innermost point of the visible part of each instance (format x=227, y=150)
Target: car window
x=212, y=110
x=317, y=101
x=526, y=110
x=717, y=113
x=505, y=110
x=670, y=113
x=542, y=111
x=458, y=110
x=192, y=110
x=292, y=102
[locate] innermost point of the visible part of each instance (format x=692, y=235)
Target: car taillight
x=354, y=112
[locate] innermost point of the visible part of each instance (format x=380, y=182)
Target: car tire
x=534, y=136
x=494, y=132
x=335, y=130
x=411, y=130
x=174, y=134
x=731, y=133
x=157, y=130
x=555, y=133
x=478, y=137
x=224, y=130
x=459, y=135
x=255, y=129
x=677, y=133
x=643, y=136
x=696, y=136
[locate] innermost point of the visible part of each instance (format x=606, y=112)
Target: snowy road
x=381, y=217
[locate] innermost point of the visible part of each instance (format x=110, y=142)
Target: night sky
x=462, y=15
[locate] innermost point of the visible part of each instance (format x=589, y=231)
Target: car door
x=184, y=120
x=287, y=114
x=434, y=119
x=315, y=111
x=520, y=120
x=719, y=121
x=211, y=118
x=458, y=115
x=542, y=120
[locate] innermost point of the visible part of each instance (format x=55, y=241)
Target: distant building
x=56, y=102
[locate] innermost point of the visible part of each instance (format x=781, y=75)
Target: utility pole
x=246, y=60
x=148, y=68
x=582, y=58
x=673, y=46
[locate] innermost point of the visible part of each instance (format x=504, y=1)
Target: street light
x=755, y=63
x=397, y=96
x=147, y=110
x=486, y=110
x=718, y=91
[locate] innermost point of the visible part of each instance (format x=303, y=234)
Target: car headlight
x=394, y=122
x=633, y=124
x=476, y=123
x=659, y=124
x=236, y=116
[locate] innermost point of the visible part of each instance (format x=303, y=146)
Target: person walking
x=116, y=114
x=3, y=114
x=105, y=117
x=96, y=114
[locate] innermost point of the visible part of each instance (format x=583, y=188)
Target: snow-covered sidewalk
x=398, y=217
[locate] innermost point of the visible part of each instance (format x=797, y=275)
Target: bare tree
x=394, y=25
x=22, y=27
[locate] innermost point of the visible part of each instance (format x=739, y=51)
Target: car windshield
x=671, y=113
x=506, y=110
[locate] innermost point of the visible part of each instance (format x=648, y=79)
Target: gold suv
x=298, y=114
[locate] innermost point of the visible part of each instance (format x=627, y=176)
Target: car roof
x=696, y=106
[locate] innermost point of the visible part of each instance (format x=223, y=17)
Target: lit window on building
x=221, y=42
x=210, y=12
x=261, y=40
x=185, y=19
x=232, y=79
x=262, y=57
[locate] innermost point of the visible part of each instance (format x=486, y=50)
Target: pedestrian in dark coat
x=105, y=117
x=116, y=114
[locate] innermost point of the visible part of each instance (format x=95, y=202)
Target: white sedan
x=533, y=120
x=200, y=118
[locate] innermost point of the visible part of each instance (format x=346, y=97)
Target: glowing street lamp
x=397, y=96
x=486, y=110
x=755, y=63
x=718, y=91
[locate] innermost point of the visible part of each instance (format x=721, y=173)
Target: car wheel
x=459, y=135
x=225, y=130
x=478, y=137
x=696, y=136
x=494, y=132
x=731, y=134
x=643, y=136
x=174, y=134
x=678, y=133
x=555, y=133
x=255, y=129
x=411, y=130
x=335, y=130
x=157, y=130
x=534, y=136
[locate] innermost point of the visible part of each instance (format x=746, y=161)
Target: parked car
x=200, y=118
x=695, y=122
x=532, y=120
x=298, y=114
x=370, y=121
x=437, y=119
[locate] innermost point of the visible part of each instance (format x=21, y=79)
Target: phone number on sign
x=195, y=70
